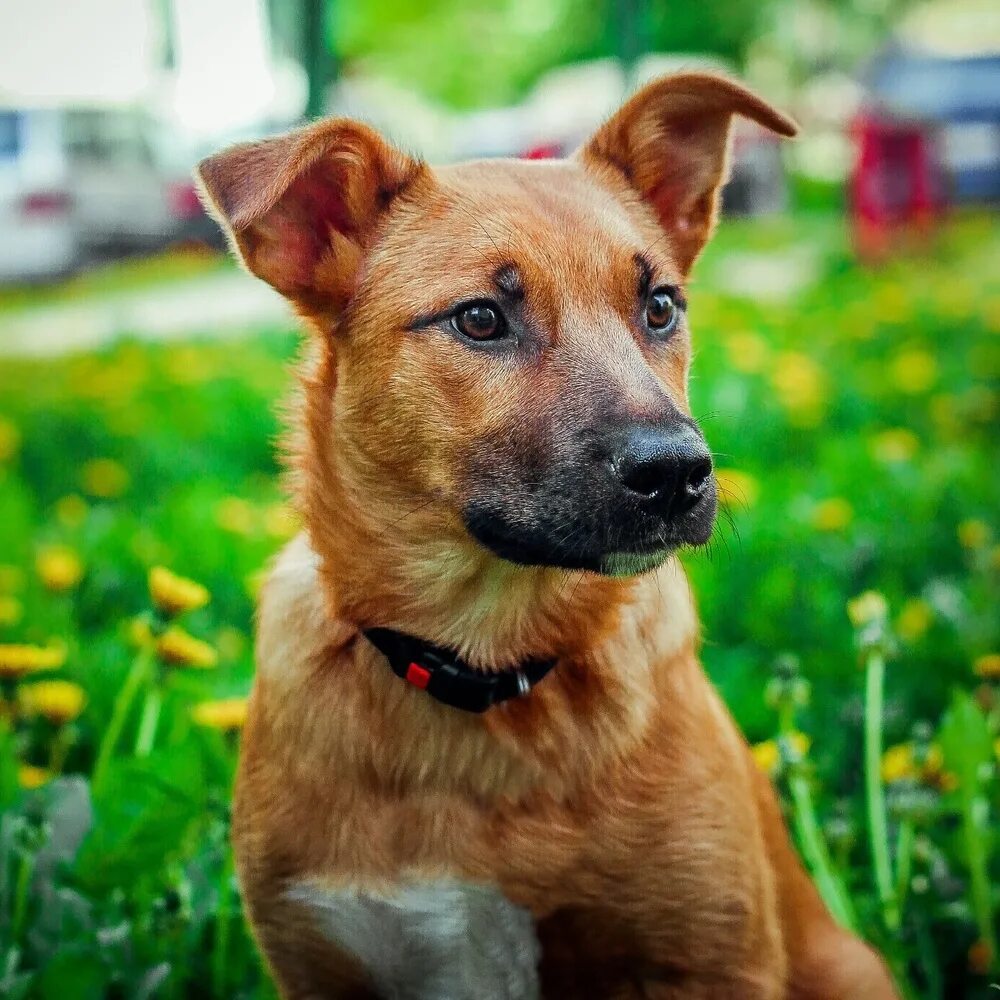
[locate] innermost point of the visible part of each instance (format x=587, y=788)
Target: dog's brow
x=507, y=279
x=646, y=269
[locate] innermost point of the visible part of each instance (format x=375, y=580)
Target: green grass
x=855, y=426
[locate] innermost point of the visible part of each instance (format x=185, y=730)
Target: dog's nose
x=667, y=468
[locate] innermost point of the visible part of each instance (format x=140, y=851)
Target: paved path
x=214, y=305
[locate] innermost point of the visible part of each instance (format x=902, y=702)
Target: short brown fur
x=617, y=802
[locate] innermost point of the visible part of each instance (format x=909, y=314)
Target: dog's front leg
x=441, y=940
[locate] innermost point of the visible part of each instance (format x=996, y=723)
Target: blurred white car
x=77, y=183
x=37, y=230
x=131, y=183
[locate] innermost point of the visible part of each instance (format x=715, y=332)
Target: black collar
x=444, y=675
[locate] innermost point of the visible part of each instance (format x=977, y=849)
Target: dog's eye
x=661, y=311
x=480, y=321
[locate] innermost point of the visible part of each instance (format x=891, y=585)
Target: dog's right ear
x=302, y=209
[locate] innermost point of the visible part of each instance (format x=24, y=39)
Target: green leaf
x=72, y=974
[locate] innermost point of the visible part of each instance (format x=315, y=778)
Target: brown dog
x=496, y=456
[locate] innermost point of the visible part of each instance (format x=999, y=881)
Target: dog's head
x=510, y=338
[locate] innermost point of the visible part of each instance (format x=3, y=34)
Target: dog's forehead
x=521, y=212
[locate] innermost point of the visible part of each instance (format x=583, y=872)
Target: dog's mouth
x=612, y=546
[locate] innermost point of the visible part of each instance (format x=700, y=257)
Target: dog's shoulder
x=294, y=622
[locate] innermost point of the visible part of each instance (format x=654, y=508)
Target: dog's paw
x=444, y=940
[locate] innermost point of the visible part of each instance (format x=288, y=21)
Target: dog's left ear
x=670, y=141
x=302, y=209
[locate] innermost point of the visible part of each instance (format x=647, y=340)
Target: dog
x=482, y=759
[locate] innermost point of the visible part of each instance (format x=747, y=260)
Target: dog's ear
x=301, y=209
x=670, y=141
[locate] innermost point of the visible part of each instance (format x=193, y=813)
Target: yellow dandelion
x=234, y=515
x=944, y=412
x=800, y=387
x=913, y=370
x=181, y=649
x=914, y=619
x=30, y=777
x=59, y=567
x=105, y=478
x=987, y=667
x=748, y=352
x=18, y=660
x=10, y=610
x=10, y=439
x=737, y=487
x=71, y=510
x=894, y=445
x=174, y=594
x=833, y=514
x=898, y=763
x=280, y=521
x=973, y=534
x=58, y=701
x=226, y=714
x=866, y=608
x=139, y=632
x=767, y=755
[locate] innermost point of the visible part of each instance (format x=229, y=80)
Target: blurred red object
x=543, y=152
x=184, y=201
x=896, y=187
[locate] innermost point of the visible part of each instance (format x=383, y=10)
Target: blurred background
x=846, y=319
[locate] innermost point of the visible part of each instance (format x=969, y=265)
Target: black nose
x=668, y=469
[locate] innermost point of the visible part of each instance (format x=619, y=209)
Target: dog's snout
x=668, y=469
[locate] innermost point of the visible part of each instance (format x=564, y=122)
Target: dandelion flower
x=867, y=608
x=748, y=352
x=898, y=763
x=105, y=478
x=226, y=714
x=71, y=510
x=235, y=515
x=280, y=521
x=58, y=701
x=913, y=370
x=174, y=594
x=29, y=776
x=767, y=755
x=914, y=619
x=140, y=634
x=737, y=487
x=973, y=534
x=181, y=649
x=833, y=514
x=800, y=387
x=987, y=667
x=19, y=660
x=894, y=445
x=901, y=763
x=59, y=567
x=10, y=610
